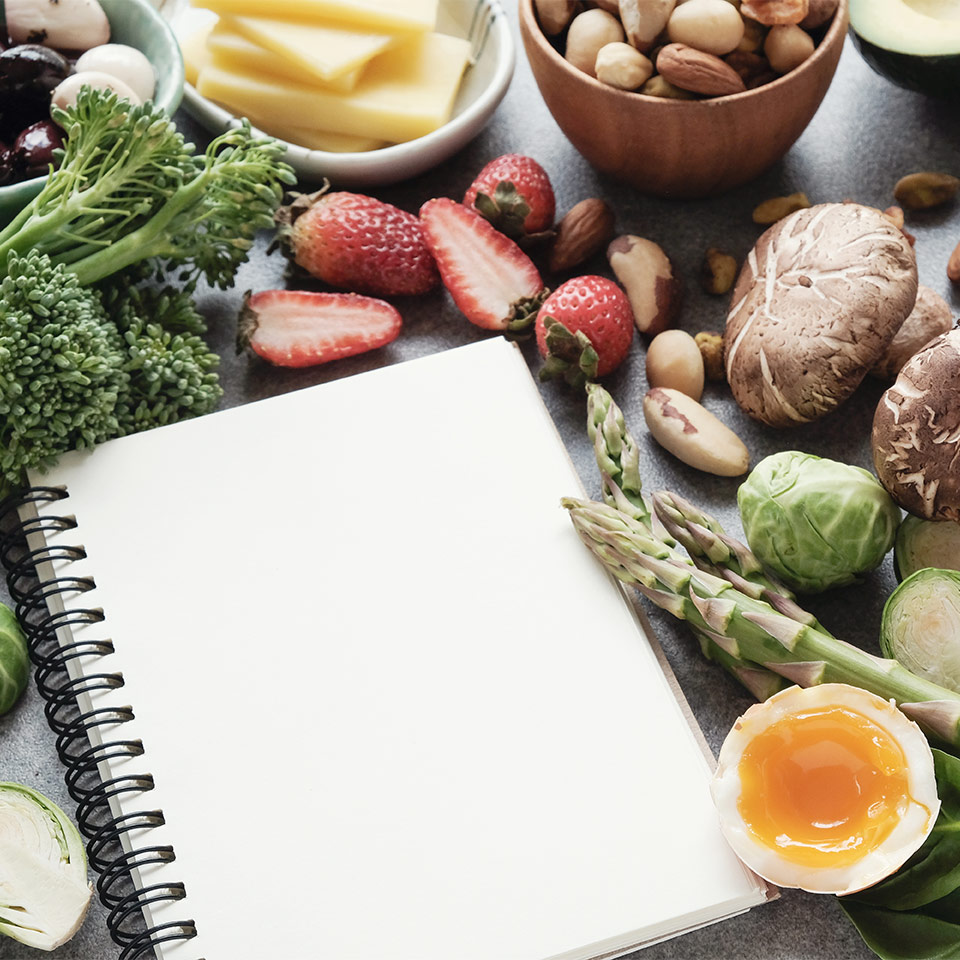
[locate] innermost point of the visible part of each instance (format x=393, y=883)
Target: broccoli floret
x=172, y=370
x=61, y=366
x=129, y=188
x=79, y=366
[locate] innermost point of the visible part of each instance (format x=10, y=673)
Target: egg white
x=875, y=864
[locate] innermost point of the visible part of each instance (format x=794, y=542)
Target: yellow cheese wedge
x=326, y=52
x=237, y=52
x=319, y=139
x=196, y=53
x=389, y=16
x=404, y=93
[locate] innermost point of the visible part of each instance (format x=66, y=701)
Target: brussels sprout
x=921, y=626
x=815, y=522
x=44, y=893
x=926, y=543
x=14, y=661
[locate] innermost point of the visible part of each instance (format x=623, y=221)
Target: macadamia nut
x=674, y=360
x=620, y=65
x=713, y=26
x=787, y=47
x=588, y=32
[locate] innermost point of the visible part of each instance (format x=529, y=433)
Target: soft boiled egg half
x=828, y=788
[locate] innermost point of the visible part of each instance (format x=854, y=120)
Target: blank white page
x=394, y=708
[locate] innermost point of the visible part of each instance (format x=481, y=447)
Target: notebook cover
x=392, y=707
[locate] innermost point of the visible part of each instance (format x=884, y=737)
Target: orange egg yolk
x=823, y=787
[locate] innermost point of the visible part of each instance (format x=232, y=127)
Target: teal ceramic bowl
x=137, y=24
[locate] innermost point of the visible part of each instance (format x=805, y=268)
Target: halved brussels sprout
x=926, y=543
x=921, y=625
x=14, y=661
x=44, y=893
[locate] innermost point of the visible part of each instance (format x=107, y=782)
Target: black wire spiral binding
x=104, y=832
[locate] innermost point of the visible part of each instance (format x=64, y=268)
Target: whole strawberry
x=357, y=243
x=515, y=194
x=584, y=329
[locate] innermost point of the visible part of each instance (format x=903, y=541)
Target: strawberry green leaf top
x=584, y=329
x=514, y=193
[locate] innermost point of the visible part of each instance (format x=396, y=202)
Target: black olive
x=33, y=149
x=18, y=112
x=7, y=168
x=32, y=66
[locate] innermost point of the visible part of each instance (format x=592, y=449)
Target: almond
x=584, y=230
x=697, y=71
x=748, y=65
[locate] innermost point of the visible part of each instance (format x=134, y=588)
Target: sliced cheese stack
x=339, y=75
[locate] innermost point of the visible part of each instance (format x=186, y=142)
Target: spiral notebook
x=355, y=690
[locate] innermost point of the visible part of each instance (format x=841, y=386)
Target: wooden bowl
x=681, y=148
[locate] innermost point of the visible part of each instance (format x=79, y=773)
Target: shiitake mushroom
x=916, y=432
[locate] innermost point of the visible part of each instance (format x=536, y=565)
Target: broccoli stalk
x=128, y=189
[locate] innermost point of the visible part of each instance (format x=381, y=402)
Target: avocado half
x=914, y=43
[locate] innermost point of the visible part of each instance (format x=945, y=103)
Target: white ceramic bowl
x=485, y=82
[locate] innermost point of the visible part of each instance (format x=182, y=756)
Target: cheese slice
x=403, y=94
x=236, y=51
x=196, y=53
x=326, y=52
x=389, y=16
x=319, y=139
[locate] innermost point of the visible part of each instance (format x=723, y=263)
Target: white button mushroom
x=125, y=63
x=66, y=94
x=65, y=24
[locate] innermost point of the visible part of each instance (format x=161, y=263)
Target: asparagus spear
x=617, y=455
x=750, y=628
x=716, y=552
x=618, y=459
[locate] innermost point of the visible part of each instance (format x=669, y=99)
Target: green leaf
x=915, y=914
x=893, y=935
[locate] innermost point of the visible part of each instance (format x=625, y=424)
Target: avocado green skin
x=936, y=76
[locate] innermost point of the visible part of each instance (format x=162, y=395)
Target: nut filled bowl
x=137, y=24
x=681, y=147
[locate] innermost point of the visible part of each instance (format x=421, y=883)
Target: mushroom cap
x=817, y=302
x=916, y=432
x=931, y=315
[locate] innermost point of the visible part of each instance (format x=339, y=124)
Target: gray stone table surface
x=865, y=136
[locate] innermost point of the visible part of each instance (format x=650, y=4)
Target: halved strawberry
x=493, y=282
x=294, y=328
